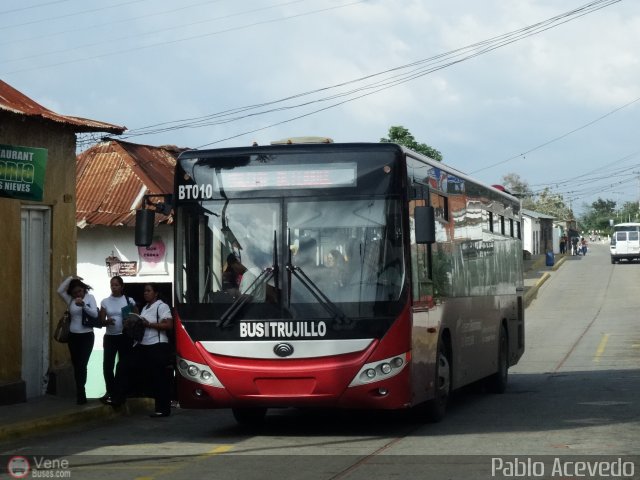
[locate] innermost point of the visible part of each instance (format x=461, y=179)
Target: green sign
x=22, y=172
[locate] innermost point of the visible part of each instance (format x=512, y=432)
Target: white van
x=625, y=242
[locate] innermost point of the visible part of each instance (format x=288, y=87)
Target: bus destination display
x=293, y=176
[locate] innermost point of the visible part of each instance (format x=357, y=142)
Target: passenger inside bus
x=232, y=276
x=337, y=266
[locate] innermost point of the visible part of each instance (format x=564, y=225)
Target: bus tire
x=497, y=383
x=436, y=408
x=249, y=416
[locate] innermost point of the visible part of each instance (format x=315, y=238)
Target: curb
x=558, y=263
x=34, y=426
x=533, y=291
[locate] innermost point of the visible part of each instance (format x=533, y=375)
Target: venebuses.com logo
x=38, y=467
x=18, y=467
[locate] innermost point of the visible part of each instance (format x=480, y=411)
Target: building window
x=440, y=205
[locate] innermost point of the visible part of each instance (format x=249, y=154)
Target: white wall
x=531, y=234
x=97, y=243
x=557, y=233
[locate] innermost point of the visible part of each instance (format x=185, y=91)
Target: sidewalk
x=42, y=414
x=536, y=272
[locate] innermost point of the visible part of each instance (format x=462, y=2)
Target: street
x=574, y=393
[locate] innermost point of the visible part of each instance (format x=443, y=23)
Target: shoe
x=110, y=401
x=106, y=400
x=158, y=414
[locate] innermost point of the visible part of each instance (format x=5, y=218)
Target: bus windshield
x=278, y=257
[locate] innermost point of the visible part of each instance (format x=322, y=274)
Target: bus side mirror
x=144, y=227
x=425, y=224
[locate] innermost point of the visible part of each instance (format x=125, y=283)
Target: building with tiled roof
x=37, y=214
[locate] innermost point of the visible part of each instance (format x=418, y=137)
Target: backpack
x=133, y=327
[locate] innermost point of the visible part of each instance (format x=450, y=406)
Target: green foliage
x=552, y=204
x=598, y=214
x=402, y=136
x=545, y=202
x=516, y=185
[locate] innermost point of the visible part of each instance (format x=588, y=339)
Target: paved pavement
x=536, y=272
x=43, y=414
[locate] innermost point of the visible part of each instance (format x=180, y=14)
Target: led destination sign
x=289, y=176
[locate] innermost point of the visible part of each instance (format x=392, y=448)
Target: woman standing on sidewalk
x=112, y=313
x=150, y=356
x=81, y=305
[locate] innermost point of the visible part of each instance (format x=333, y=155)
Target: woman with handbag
x=83, y=312
x=151, y=355
x=113, y=311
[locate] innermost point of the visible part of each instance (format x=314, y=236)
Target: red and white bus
x=340, y=275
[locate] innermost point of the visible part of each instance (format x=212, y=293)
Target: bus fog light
x=383, y=391
x=397, y=362
x=370, y=373
x=192, y=370
x=385, y=368
x=198, y=393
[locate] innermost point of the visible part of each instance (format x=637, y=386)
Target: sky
x=545, y=89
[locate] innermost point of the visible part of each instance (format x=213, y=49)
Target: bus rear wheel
x=249, y=416
x=497, y=383
x=436, y=408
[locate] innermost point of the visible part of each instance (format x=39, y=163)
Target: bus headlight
x=197, y=372
x=380, y=370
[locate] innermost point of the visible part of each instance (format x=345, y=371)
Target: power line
x=558, y=138
x=424, y=67
x=74, y=14
x=99, y=25
x=185, y=39
x=29, y=7
x=152, y=32
x=597, y=170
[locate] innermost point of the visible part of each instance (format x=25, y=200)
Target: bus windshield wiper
x=227, y=317
x=266, y=275
x=319, y=295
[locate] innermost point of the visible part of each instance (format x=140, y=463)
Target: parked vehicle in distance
x=625, y=242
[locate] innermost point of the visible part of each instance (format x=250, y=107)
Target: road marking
x=601, y=347
x=218, y=450
x=170, y=469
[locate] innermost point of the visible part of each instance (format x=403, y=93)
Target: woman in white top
x=82, y=305
x=114, y=341
x=150, y=355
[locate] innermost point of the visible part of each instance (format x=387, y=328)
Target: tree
x=520, y=188
x=552, y=204
x=629, y=212
x=598, y=214
x=402, y=136
x=544, y=202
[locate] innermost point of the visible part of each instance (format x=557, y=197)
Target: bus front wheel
x=437, y=406
x=249, y=416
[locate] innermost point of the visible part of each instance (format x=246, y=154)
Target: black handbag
x=90, y=321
